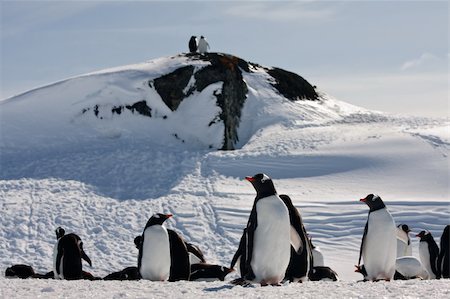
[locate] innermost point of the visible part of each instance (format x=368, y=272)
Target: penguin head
x=138, y=241
x=59, y=232
x=374, y=202
x=404, y=228
x=158, y=219
x=263, y=185
x=424, y=235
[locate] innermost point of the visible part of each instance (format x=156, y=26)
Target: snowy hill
x=99, y=153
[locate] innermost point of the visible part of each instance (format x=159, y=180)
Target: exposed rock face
x=292, y=86
x=223, y=68
x=140, y=107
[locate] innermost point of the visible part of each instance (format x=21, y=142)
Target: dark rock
x=170, y=87
x=141, y=108
x=292, y=86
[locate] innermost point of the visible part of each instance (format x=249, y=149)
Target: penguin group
x=202, y=46
x=387, y=253
x=274, y=249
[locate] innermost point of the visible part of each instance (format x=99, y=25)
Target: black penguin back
x=180, y=268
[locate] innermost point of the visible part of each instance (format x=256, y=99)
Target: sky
x=391, y=56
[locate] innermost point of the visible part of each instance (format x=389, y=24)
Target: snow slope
x=104, y=179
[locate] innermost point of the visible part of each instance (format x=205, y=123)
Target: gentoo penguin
x=301, y=260
x=129, y=273
x=404, y=247
x=163, y=253
x=323, y=273
x=444, y=254
x=59, y=233
x=203, y=45
x=317, y=255
x=379, y=244
x=267, y=236
x=193, y=44
x=409, y=267
x=20, y=271
x=68, y=258
x=208, y=272
x=428, y=253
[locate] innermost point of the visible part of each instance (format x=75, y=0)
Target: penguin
x=129, y=273
x=20, y=271
x=409, y=267
x=163, y=253
x=59, y=233
x=317, y=255
x=203, y=45
x=68, y=259
x=193, y=44
x=404, y=247
x=428, y=253
x=444, y=254
x=323, y=273
x=379, y=245
x=266, y=253
x=209, y=272
x=301, y=260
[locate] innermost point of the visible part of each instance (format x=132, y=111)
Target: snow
x=103, y=179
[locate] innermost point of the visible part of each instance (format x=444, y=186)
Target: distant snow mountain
x=206, y=101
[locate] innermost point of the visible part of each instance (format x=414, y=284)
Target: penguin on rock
x=70, y=252
x=404, y=247
x=163, y=253
x=429, y=253
x=444, y=254
x=265, y=247
x=379, y=242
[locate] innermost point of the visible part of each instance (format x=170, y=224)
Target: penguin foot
x=241, y=282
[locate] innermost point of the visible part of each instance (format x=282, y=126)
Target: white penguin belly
x=155, y=262
x=424, y=255
x=380, y=246
x=317, y=257
x=410, y=267
x=271, y=244
x=55, y=254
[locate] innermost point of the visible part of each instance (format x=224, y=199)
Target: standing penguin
x=404, y=247
x=444, y=254
x=266, y=244
x=59, y=233
x=163, y=253
x=203, y=45
x=428, y=253
x=301, y=260
x=68, y=258
x=379, y=244
x=193, y=44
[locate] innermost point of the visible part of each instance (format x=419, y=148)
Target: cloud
x=280, y=11
x=426, y=60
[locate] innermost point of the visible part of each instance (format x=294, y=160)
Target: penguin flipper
x=296, y=240
x=362, y=242
x=195, y=250
x=241, y=249
x=180, y=267
x=250, y=233
x=59, y=256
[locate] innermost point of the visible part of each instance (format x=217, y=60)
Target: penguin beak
x=250, y=178
x=169, y=215
x=363, y=200
x=86, y=258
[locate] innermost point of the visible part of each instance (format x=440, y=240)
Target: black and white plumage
x=379, y=243
x=404, y=247
x=208, y=272
x=444, y=253
x=59, y=233
x=323, y=273
x=318, y=260
x=428, y=253
x=265, y=247
x=163, y=253
x=301, y=260
x=69, y=257
x=409, y=267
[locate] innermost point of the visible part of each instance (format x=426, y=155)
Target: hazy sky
x=385, y=55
